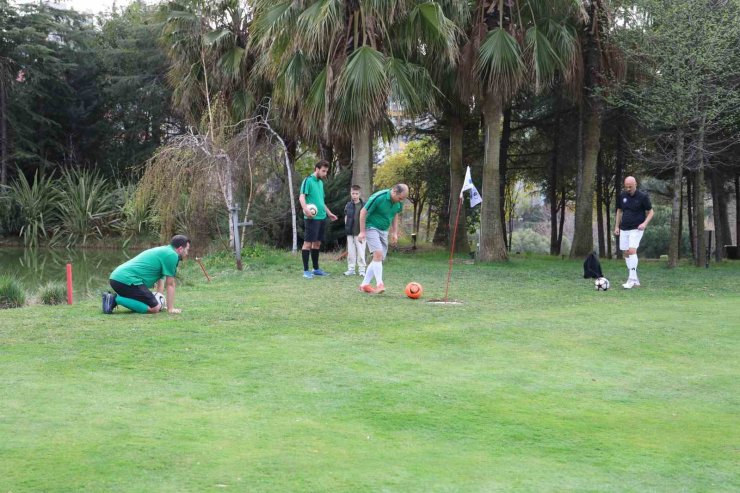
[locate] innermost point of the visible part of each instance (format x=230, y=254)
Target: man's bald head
x=399, y=192
x=630, y=185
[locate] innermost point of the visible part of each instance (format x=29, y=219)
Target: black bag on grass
x=592, y=267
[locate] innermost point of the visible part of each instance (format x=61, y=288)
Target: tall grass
x=37, y=203
x=10, y=223
x=52, y=293
x=12, y=294
x=88, y=207
x=137, y=219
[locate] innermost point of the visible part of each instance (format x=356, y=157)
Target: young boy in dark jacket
x=355, y=248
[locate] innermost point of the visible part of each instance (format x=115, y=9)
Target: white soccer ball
x=601, y=284
x=162, y=300
x=313, y=209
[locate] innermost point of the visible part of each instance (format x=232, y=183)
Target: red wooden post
x=69, y=284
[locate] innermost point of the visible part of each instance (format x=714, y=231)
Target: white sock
x=633, y=266
x=378, y=269
x=368, y=274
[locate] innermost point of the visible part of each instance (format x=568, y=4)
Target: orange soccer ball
x=413, y=290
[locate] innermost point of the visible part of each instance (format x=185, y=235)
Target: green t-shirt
x=148, y=267
x=313, y=189
x=381, y=209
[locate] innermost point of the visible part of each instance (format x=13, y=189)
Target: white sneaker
x=631, y=283
x=361, y=273
x=350, y=272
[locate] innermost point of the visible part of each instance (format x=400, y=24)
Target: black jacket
x=349, y=213
x=592, y=267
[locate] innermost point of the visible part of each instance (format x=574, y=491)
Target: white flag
x=475, y=197
x=468, y=183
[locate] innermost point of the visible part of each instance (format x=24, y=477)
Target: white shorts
x=377, y=240
x=630, y=239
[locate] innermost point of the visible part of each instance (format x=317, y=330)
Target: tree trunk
x=562, y=220
x=674, y=247
x=680, y=222
x=609, y=234
x=361, y=174
x=418, y=217
x=326, y=151
x=583, y=235
x=3, y=133
x=600, y=203
x=699, y=192
x=724, y=218
x=553, y=191
x=457, y=176
x=503, y=170
x=701, y=241
x=621, y=160
x=428, y=235
x=690, y=212
x=719, y=223
x=737, y=208
x=492, y=244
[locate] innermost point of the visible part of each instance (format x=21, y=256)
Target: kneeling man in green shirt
x=131, y=280
x=378, y=215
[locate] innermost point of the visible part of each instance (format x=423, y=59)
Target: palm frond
x=362, y=88
x=317, y=24
x=216, y=37
x=387, y=10
x=231, y=61
x=430, y=27
x=242, y=104
x=293, y=79
x=271, y=19
x=411, y=85
x=315, y=105
x=500, y=63
x=543, y=58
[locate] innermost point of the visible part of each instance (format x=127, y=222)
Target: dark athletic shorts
x=137, y=292
x=314, y=230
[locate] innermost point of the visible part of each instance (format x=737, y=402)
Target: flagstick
x=452, y=250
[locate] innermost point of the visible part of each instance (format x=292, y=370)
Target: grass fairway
x=271, y=383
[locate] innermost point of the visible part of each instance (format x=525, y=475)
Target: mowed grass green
x=269, y=382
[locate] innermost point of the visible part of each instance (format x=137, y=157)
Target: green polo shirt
x=313, y=189
x=148, y=267
x=381, y=209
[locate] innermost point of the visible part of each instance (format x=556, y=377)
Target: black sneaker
x=109, y=303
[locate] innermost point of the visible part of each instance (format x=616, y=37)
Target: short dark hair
x=321, y=164
x=355, y=187
x=178, y=241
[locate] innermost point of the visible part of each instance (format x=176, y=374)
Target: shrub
x=37, y=203
x=656, y=240
x=529, y=241
x=52, y=293
x=12, y=294
x=87, y=207
x=10, y=214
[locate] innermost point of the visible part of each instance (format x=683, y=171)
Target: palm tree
x=601, y=63
x=337, y=63
x=511, y=45
x=206, y=44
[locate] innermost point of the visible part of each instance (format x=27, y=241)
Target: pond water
x=35, y=267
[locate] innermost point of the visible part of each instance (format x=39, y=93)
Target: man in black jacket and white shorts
x=634, y=212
